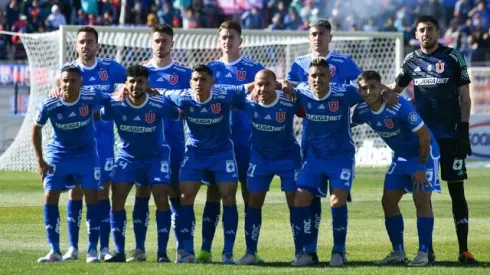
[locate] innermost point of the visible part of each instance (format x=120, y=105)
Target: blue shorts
x=261, y=172
x=219, y=166
x=145, y=172
x=242, y=154
x=401, y=170
x=315, y=172
x=105, y=149
x=71, y=170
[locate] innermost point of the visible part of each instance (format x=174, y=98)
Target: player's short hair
x=89, y=30
x=426, y=19
x=268, y=72
x=164, y=28
x=137, y=70
x=319, y=62
x=201, y=68
x=71, y=69
x=231, y=25
x=369, y=75
x=321, y=23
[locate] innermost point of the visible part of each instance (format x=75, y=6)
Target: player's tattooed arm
x=465, y=101
x=287, y=88
x=37, y=137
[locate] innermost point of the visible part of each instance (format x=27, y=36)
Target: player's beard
x=429, y=45
x=89, y=56
x=162, y=54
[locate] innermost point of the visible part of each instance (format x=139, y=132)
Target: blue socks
x=253, y=222
x=395, y=227
x=210, y=219
x=425, y=226
x=141, y=217
x=52, y=225
x=316, y=215
x=118, y=226
x=74, y=216
x=185, y=224
x=297, y=246
x=93, y=225
x=105, y=223
x=303, y=226
x=163, y=229
x=230, y=226
x=339, y=228
x=174, y=207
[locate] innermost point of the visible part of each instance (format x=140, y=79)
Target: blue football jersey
x=103, y=77
x=342, y=68
x=140, y=127
x=328, y=131
x=272, y=128
x=174, y=76
x=395, y=125
x=209, y=122
x=73, y=128
x=240, y=72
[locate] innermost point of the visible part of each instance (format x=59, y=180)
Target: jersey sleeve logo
x=280, y=116
x=333, y=106
x=216, y=108
x=241, y=75
x=389, y=123
x=150, y=118
x=83, y=110
x=103, y=75
x=440, y=66
x=173, y=79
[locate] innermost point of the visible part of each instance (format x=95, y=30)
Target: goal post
x=276, y=50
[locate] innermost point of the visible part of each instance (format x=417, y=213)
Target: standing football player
x=71, y=157
x=102, y=74
x=209, y=150
x=343, y=71
x=414, y=168
x=331, y=155
x=274, y=151
x=143, y=157
x=443, y=101
x=232, y=69
x=165, y=73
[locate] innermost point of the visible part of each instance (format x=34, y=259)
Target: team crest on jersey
x=389, y=123
x=216, y=108
x=241, y=75
x=333, y=106
x=173, y=79
x=150, y=117
x=83, y=110
x=103, y=75
x=280, y=116
x=332, y=69
x=440, y=66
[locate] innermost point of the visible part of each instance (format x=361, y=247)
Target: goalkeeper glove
x=463, y=146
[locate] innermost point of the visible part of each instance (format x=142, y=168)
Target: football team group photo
x=172, y=155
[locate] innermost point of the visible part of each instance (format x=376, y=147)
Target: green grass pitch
x=22, y=236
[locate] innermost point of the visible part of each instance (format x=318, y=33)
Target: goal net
x=275, y=50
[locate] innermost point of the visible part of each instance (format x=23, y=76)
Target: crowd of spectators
x=465, y=24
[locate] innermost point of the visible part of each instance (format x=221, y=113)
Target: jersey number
x=123, y=164
x=251, y=169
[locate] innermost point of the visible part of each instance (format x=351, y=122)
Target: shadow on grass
x=354, y=264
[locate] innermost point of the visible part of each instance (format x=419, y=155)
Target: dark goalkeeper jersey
x=437, y=77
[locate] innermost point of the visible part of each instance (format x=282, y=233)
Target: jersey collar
x=326, y=57
x=140, y=106
x=73, y=103
x=83, y=67
x=234, y=62
x=161, y=68
x=205, y=101
x=273, y=102
x=380, y=109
